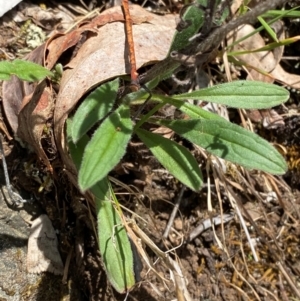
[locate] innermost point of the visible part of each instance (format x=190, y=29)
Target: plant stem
x=169, y=64
x=134, y=84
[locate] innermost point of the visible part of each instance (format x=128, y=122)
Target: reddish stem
x=134, y=84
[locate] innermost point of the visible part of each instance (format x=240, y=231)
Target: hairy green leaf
x=192, y=20
x=25, y=70
x=231, y=142
x=95, y=107
x=174, y=157
x=106, y=148
x=114, y=245
x=241, y=94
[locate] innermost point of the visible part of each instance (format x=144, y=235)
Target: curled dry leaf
x=59, y=43
x=28, y=106
x=37, y=109
x=99, y=53
x=263, y=66
x=15, y=90
x=265, y=61
x=104, y=56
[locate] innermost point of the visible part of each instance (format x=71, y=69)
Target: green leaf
x=114, y=245
x=268, y=28
x=230, y=142
x=25, y=70
x=194, y=18
x=174, y=157
x=292, y=13
x=95, y=107
x=106, y=148
x=241, y=94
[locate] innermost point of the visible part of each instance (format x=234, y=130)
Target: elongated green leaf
x=115, y=248
x=174, y=157
x=241, y=94
x=231, y=142
x=95, y=107
x=25, y=70
x=106, y=148
x=114, y=245
x=292, y=13
x=268, y=28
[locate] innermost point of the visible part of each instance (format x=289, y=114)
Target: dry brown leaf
x=265, y=61
x=269, y=118
x=104, y=56
x=164, y=131
x=59, y=43
x=263, y=66
x=15, y=90
x=28, y=106
x=36, y=110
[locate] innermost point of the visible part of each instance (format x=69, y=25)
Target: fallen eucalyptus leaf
x=263, y=65
x=15, y=90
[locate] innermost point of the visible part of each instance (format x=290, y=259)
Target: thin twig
x=211, y=42
x=174, y=212
x=207, y=223
x=288, y=279
x=179, y=278
x=134, y=84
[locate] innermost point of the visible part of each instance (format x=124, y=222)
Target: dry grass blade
x=181, y=289
x=273, y=249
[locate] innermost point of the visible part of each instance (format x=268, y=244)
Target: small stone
x=42, y=254
x=178, y=224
